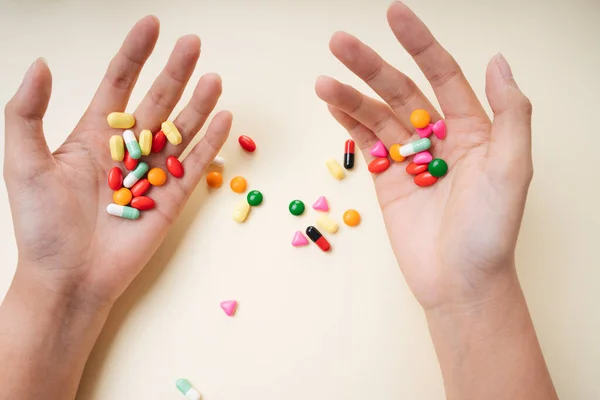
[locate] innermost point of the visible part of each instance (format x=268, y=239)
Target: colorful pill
x=140, y=187
x=218, y=161
x=117, y=148
x=186, y=388
x=130, y=163
x=159, y=141
x=415, y=147
x=326, y=223
x=349, y=154
x=241, y=210
x=423, y=157
x=379, y=165
x=122, y=197
x=299, y=240
x=335, y=168
x=135, y=175
x=120, y=120
x=297, y=207
x=255, y=198
x=171, y=132
x=439, y=129
x=420, y=118
x=142, y=203
x=214, y=179
x=229, y=307
x=146, y=142
x=317, y=238
x=395, y=153
x=123, y=211
x=425, y=132
x=425, y=179
x=157, y=177
x=351, y=218
x=238, y=184
x=247, y=143
x=133, y=147
x=416, y=169
x=321, y=204
x=115, y=178
x=379, y=150
x=174, y=167
x=438, y=167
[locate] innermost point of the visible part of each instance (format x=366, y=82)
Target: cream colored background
x=309, y=325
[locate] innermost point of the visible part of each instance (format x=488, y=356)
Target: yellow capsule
x=327, y=224
x=117, y=148
x=120, y=120
x=145, y=142
x=241, y=210
x=122, y=196
x=171, y=132
x=335, y=168
x=395, y=153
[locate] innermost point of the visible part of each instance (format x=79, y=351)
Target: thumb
x=24, y=133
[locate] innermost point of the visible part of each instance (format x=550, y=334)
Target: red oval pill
x=425, y=179
x=416, y=169
x=159, y=141
x=140, y=187
x=115, y=178
x=142, y=203
x=247, y=143
x=174, y=167
x=379, y=165
x=130, y=163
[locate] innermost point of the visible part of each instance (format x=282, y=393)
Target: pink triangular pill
x=379, y=150
x=229, y=307
x=423, y=157
x=425, y=132
x=439, y=129
x=299, y=240
x=321, y=204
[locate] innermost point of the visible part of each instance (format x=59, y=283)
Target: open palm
x=448, y=236
x=59, y=200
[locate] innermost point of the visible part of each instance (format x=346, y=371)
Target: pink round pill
x=423, y=157
x=439, y=129
x=425, y=132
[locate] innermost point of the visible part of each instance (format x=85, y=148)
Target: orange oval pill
x=420, y=118
x=142, y=203
x=416, y=169
x=214, y=179
x=122, y=197
x=379, y=165
x=157, y=177
x=238, y=184
x=425, y=179
x=395, y=153
x=351, y=218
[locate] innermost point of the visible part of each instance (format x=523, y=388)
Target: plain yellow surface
x=313, y=325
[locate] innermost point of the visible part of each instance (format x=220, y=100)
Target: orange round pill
x=351, y=218
x=395, y=153
x=238, y=184
x=420, y=118
x=122, y=197
x=214, y=179
x=157, y=177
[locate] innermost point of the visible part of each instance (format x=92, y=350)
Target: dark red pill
x=314, y=235
x=159, y=141
x=115, y=178
x=416, y=169
x=349, y=154
x=130, y=163
x=140, y=187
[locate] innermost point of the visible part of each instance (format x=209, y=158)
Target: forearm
x=45, y=340
x=489, y=350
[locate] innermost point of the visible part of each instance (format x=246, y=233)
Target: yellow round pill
x=214, y=179
x=420, y=118
x=122, y=197
x=395, y=153
x=157, y=177
x=351, y=218
x=238, y=184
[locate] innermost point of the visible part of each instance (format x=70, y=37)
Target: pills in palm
x=214, y=179
x=142, y=203
x=238, y=184
x=174, y=167
x=424, y=157
x=130, y=162
x=395, y=153
x=120, y=120
x=351, y=217
x=157, y=176
x=122, y=196
x=379, y=165
x=117, y=148
x=141, y=187
x=115, y=178
x=416, y=169
x=145, y=142
x=379, y=150
x=123, y=211
x=254, y=198
x=438, y=167
x=296, y=207
x=425, y=179
x=135, y=175
x=420, y=118
x=439, y=129
x=133, y=147
x=171, y=132
x=415, y=147
x=159, y=141
x=247, y=143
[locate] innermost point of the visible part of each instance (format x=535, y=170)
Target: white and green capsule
x=415, y=147
x=135, y=175
x=123, y=211
x=186, y=388
x=133, y=147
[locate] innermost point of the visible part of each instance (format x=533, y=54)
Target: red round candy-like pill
x=379, y=165
x=142, y=203
x=130, y=163
x=416, y=169
x=174, y=167
x=425, y=179
x=140, y=187
x=247, y=143
x=115, y=178
x=159, y=141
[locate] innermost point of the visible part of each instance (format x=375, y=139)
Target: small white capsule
x=218, y=161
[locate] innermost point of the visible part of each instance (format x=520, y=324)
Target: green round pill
x=255, y=198
x=297, y=207
x=438, y=167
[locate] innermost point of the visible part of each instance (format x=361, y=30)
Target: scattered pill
x=141, y=187
x=420, y=118
x=351, y=217
x=395, y=153
x=123, y=211
x=117, y=148
x=379, y=165
x=159, y=141
x=297, y=207
x=423, y=157
x=425, y=179
x=238, y=184
x=349, y=154
x=142, y=203
x=379, y=150
x=174, y=167
x=415, y=147
x=185, y=387
x=115, y=178
x=241, y=210
x=218, y=161
x=438, y=167
x=214, y=179
x=326, y=223
x=135, y=175
x=321, y=204
x=133, y=147
x=157, y=176
x=255, y=198
x=247, y=143
x=314, y=235
x=171, y=132
x=146, y=142
x=130, y=163
x=122, y=196
x=416, y=169
x=120, y=120
x=335, y=168
x=299, y=240
x=229, y=306
x=425, y=132
x=439, y=129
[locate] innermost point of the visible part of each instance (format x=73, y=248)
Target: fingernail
x=28, y=73
x=503, y=67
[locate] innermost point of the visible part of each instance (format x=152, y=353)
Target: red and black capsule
x=316, y=237
x=349, y=154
